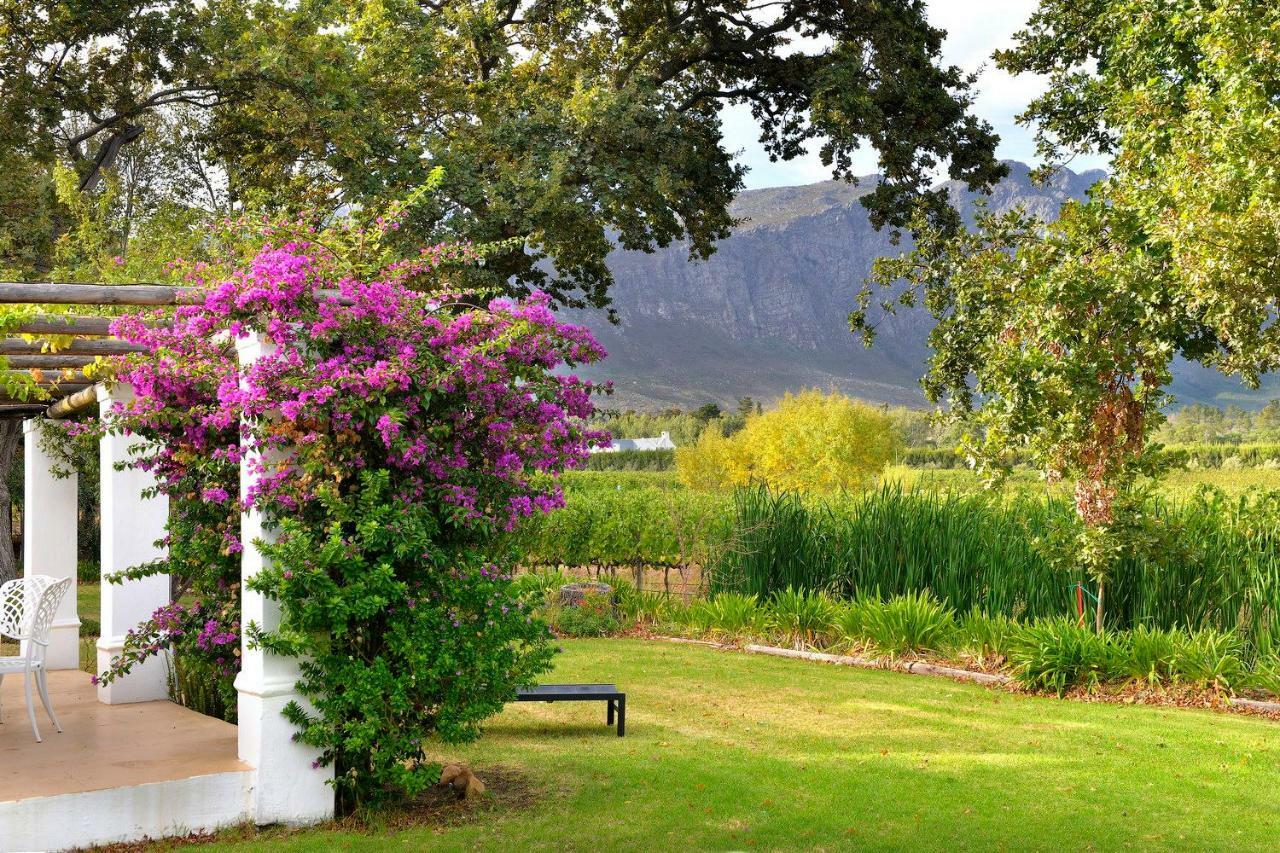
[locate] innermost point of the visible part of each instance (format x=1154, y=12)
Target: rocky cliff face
x=767, y=312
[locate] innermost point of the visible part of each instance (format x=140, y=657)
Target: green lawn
x=729, y=751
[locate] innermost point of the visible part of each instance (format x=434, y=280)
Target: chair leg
x=608, y=718
x=43, y=684
x=31, y=707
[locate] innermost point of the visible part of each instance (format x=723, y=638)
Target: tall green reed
x=980, y=551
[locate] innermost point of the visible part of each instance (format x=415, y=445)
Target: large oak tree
x=562, y=127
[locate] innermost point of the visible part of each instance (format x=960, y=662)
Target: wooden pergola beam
x=48, y=293
x=57, y=376
x=58, y=293
x=78, y=347
x=48, y=361
x=55, y=395
x=73, y=403
x=62, y=389
x=65, y=324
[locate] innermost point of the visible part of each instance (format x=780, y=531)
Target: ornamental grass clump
x=983, y=637
x=911, y=623
x=1059, y=654
x=395, y=434
x=801, y=617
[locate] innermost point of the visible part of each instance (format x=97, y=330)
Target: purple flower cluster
x=467, y=407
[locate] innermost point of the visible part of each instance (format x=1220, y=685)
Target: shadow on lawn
x=544, y=730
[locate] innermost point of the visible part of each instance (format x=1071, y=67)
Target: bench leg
x=608, y=719
x=622, y=716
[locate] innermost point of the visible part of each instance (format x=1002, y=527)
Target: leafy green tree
x=563, y=128
x=79, y=77
x=1056, y=341
x=575, y=126
x=812, y=442
x=707, y=412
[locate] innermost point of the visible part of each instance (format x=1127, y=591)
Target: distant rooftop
x=662, y=442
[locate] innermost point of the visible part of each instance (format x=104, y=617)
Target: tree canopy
x=561, y=127
x=1058, y=340
x=811, y=442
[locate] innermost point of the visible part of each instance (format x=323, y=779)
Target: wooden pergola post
x=49, y=539
x=291, y=787
x=131, y=526
x=288, y=785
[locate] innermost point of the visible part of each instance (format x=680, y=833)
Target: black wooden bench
x=582, y=693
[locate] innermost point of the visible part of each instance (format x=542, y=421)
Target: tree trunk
x=1102, y=591
x=10, y=435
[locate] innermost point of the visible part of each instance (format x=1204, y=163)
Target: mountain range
x=767, y=313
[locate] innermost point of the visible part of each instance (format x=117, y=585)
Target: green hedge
x=608, y=523
x=633, y=460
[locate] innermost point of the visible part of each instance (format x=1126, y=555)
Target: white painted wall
x=49, y=541
x=131, y=525
x=114, y=815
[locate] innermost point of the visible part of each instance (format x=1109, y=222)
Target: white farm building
x=662, y=442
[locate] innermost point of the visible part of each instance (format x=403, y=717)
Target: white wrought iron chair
x=27, y=608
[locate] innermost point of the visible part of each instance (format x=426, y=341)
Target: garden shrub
x=983, y=636
x=397, y=433
x=810, y=442
x=849, y=623
x=915, y=622
x=532, y=587
x=1149, y=653
x=802, y=617
x=733, y=614
x=1209, y=658
x=646, y=608
x=594, y=616
x=1059, y=654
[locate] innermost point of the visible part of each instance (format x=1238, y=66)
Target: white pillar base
x=64, y=645
x=146, y=682
x=288, y=787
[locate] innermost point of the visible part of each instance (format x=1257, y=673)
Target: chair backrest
x=46, y=608
x=28, y=605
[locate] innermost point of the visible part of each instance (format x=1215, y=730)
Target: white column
x=131, y=524
x=289, y=787
x=49, y=540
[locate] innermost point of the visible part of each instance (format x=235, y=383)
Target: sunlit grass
x=1174, y=484
x=727, y=751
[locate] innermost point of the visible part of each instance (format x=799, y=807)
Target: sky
x=974, y=28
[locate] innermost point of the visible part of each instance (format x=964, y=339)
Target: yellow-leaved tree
x=811, y=442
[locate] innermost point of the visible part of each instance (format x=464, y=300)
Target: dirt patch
x=507, y=789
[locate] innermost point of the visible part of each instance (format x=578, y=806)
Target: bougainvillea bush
x=394, y=434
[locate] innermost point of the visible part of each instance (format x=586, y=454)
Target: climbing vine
x=393, y=432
